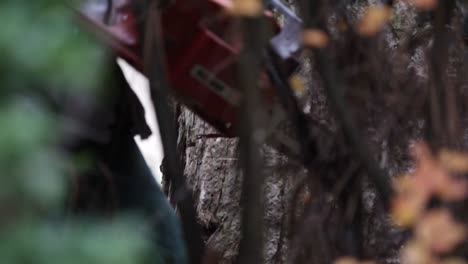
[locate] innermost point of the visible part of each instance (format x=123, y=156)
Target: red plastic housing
x=201, y=48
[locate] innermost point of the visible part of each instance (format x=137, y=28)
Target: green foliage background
x=42, y=49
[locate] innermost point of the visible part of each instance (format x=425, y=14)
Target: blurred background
x=48, y=69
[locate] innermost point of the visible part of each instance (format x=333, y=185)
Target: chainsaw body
x=201, y=45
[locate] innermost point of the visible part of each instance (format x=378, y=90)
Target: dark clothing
x=119, y=181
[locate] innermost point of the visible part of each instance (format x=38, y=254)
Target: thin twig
x=249, y=67
x=335, y=88
x=159, y=91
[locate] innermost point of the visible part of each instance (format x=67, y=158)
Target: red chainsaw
x=201, y=46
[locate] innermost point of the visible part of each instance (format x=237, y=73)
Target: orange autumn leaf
x=424, y=5
x=249, y=8
x=409, y=202
x=414, y=252
x=374, y=20
x=452, y=189
x=430, y=174
x=315, y=38
x=342, y=25
x=346, y=260
x=454, y=161
x=439, y=231
x=351, y=260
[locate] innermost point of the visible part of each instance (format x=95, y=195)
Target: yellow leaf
x=374, y=19
x=406, y=210
x=297, y=83
x=315, y=38
x=454, y=161
x=409, y=202
x=248, y=8
x=403, y=183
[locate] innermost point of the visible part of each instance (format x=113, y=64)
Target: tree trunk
x=211, y=169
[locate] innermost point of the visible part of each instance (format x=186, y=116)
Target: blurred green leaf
x=44, y=52
x=40, y=45
x=76, y=243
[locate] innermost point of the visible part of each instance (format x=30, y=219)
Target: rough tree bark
x=211, y=168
